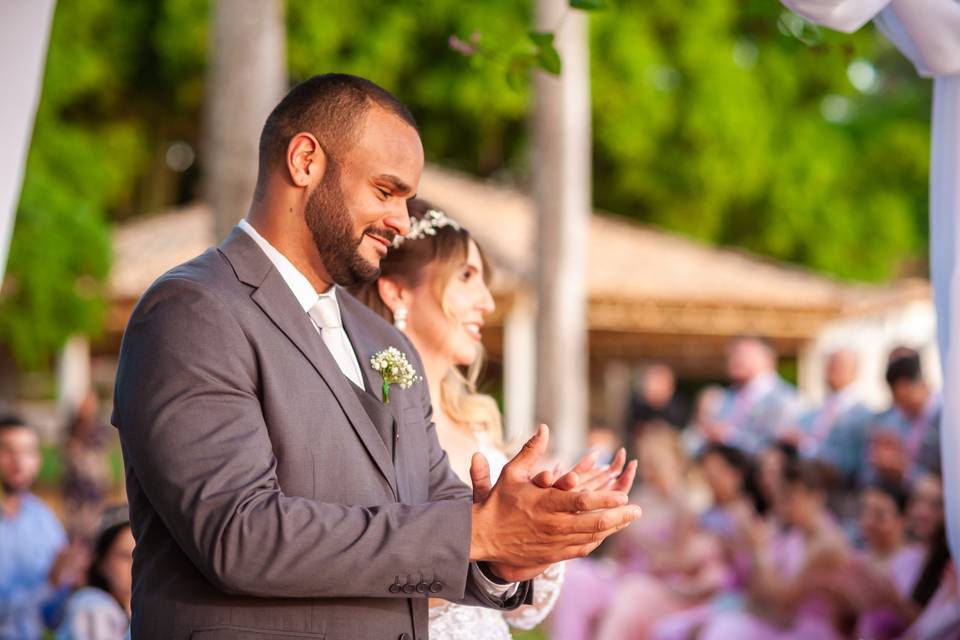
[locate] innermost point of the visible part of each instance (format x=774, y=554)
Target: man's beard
x=330, y=224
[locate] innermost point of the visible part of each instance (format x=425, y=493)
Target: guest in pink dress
x=793, y=591
x=671, y=563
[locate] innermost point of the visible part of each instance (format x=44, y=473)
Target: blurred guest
x=703, y=426
x=787, y=567
x=37, y=568
x=656, y=401
x=937, y=595
x=883, y=524
x=86, y=478
x=760, y=405
x=672, y=565
x=925, y=511
x=905, y=439
x=101, y=610
x=604, y=440
x=836, y=432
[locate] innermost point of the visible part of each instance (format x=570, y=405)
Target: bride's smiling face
x=450, y=326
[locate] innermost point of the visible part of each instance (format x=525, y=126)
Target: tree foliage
x=718, y=119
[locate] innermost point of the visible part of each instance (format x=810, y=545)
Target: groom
x=272, y=493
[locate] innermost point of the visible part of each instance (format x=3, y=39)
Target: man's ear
x=393, y=294
x=306, y=160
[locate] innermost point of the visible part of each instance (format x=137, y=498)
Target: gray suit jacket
x=269, y=496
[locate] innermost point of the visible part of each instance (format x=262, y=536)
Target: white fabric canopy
x=928, y=33
x=24, y=29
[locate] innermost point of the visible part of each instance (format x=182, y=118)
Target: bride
x=433, y=287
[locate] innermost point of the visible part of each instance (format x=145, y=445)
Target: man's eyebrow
x=398, y=184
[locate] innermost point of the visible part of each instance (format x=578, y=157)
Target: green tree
x=119, y=77
x=709, y=120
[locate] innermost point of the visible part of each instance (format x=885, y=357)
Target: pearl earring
x=400, y=318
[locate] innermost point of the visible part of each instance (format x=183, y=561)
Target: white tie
x=326, y=313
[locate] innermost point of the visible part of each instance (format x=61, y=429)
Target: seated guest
x=101, y=610
x=883, y=525
x=704, y=426
x=836, y=431
x=925, y=511
x=784, y=588
x=656, y=401
x=36, y=566
x=905, y=439
x=671, y=564
x=760, y=405
x=936, y=595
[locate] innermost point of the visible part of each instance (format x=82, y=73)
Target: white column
x=519, y=367
x=561, y=166
x=73, y=374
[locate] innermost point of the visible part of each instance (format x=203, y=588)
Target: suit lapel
x=366, y=344
x=276, y=300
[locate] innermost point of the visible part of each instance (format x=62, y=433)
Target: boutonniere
x=394, y=368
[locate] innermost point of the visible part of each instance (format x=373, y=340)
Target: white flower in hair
x=432, y=220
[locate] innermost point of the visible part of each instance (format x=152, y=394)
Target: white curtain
x=24, y=29
x=928, y=33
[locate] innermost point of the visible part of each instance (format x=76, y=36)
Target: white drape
x=928, y=33
x=24, y=29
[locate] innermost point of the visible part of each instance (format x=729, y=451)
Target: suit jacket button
x=409, y=588
x=395, y=588
x=422, y=587
x=404, y=636
x=436, y=586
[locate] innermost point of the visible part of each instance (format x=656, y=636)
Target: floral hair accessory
x=432, y=220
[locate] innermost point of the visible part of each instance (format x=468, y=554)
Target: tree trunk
x=246, y=77
x=562, y=190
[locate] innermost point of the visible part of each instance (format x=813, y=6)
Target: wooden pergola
x=652, y=295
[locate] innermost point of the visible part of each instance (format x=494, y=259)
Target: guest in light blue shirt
x=836, y=432
x=905, y=439
x=31, y=539
x=760, y=405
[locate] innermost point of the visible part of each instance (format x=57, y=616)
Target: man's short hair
x=10, y=421
x=905, y=367
x=331, y=107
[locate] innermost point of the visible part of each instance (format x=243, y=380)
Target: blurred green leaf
x=588, y=5
x=549, y=59
x=542, y=38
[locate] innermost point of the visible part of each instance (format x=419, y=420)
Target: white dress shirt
x=345, y=355
x=336, y=339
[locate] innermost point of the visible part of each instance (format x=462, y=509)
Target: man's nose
x=398, y=219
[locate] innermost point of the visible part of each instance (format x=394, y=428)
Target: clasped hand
x=527, y=521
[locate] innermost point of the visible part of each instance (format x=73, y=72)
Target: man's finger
x=587, y=462
x=544, y=479
x=532, y=450
x=567, y=482
x=616, y=465
x=574, y=502
x=602, y=523
x=480, y=477
x=625, y=482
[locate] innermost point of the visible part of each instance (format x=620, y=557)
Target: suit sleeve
x=193, y=433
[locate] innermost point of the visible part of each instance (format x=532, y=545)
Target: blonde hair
x=411, y=263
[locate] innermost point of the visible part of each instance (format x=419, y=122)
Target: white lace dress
x=460, y=622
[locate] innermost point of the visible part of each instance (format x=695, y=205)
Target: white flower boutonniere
x=394, y=368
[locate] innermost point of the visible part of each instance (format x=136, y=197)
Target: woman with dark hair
x=101, y=610
x=434, y=287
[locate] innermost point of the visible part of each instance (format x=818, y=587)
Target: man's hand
x=519, y=527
